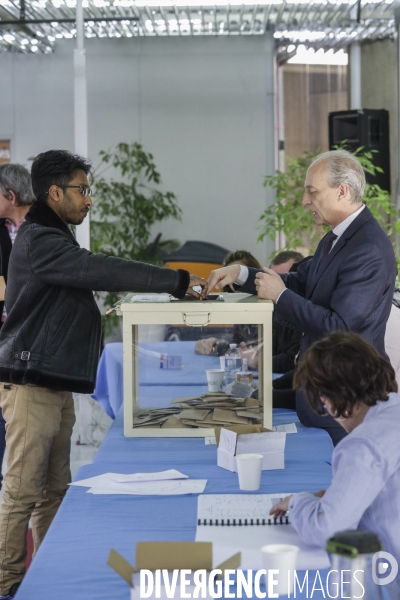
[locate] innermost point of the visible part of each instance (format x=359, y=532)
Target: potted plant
x=288, y=216
x=126, y=208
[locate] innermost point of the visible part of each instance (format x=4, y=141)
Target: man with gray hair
x=284, y=261
x=348, y=284
x=16, y=197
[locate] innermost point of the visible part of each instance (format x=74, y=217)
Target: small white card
x=227, y=441
x=287, y=428
x=151, y=298
x=210, y=440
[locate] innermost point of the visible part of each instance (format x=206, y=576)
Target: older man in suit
x=349, y=283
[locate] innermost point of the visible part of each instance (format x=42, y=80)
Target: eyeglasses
x=84, y=189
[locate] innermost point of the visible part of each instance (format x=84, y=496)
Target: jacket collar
x=42, y=214
x=364, y=216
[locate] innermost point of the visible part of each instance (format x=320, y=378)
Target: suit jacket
x=285, y=347
x=351, y=291
x=5, y=251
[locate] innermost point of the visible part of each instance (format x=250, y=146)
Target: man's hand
x=280, y=509
x=269, y=285
x=197, y=281
x=222, y=277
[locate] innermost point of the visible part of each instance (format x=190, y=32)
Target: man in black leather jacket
x=49, y=347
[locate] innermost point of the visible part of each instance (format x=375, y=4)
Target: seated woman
x=342, y=375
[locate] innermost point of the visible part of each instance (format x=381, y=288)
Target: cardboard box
x=250, y=440
x=170, y=556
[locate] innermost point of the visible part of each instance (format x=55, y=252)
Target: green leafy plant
x=288, y=216
x=126, y=208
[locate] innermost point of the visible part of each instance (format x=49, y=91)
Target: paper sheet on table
x=210, y=440
x=287, y=428
x=248, y=539
x=107, y=479
x=155, y=488
x=263, y=443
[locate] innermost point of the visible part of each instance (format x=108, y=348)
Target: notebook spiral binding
x=244, y=522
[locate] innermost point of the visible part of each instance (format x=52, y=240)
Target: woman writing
x=342, y=375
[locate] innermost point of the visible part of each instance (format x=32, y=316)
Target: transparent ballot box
x=182, y=374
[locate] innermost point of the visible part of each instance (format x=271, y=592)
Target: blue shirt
x=365, y=489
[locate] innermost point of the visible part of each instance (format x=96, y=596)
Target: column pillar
x=80, y=111
x=355, y=76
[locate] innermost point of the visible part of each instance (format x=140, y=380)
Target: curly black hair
x=346, y=369
x=55, y=167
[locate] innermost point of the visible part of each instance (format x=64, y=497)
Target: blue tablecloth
x=109, y=391
x=71, y=563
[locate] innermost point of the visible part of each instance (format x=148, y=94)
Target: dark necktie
x=326, y=247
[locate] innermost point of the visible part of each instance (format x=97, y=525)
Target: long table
x=71, y=563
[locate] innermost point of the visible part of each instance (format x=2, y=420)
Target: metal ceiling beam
x=375, y=21
x=55, y=20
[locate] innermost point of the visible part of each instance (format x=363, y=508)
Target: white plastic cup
x=249, y=467
x=215, y=379
x=283, y=558
x=222, y=362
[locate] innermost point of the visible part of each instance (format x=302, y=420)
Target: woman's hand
x=319, y=494
x=280, y=509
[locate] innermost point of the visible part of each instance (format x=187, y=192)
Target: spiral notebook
x=242, y=523
x=237, y=510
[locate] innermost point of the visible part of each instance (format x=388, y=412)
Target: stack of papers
x=217, y=410
x=155, y=417
x=164, y=483
x=207, y=410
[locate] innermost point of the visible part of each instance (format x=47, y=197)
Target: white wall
x=202, y=106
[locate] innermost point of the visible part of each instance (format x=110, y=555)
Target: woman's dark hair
x=242, y=256
x=346, y=369
x=55, y=167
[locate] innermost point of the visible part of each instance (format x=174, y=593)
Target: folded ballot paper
x=152, y=297
x=164, y=483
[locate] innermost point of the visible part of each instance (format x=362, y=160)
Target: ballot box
x=178, y=380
